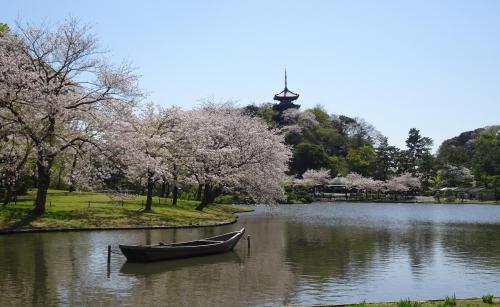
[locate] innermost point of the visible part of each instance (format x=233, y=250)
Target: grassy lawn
x=72, y=210
x=448, y=302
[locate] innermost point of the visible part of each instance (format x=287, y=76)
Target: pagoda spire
x=286, y=95
x=285, y=80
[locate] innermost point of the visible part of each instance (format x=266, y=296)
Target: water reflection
x=140, y=269
x=323, y=253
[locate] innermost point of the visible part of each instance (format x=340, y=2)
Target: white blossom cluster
x=402, y=183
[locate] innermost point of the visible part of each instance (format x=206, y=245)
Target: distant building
x=285, y=98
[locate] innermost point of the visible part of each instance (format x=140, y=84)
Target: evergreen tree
x=417, y=146
x=386, y=160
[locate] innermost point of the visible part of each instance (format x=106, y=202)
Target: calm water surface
x=311, y=254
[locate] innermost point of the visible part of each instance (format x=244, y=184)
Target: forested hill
x=477, y=150
x=343, y=145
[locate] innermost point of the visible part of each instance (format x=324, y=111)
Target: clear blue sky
x=433, y=65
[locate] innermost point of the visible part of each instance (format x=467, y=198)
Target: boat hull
x=213, y=245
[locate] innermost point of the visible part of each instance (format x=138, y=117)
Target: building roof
x=339, y=181
x=286, y=94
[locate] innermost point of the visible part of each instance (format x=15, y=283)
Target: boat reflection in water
x=159, y=267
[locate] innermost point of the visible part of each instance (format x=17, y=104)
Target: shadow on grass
x=22, y=217
x=107, y=216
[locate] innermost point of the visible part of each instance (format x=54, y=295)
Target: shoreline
x=92, y=211
x=401, y=202
x=62, y=229
x=472, y=301
x=239, y=210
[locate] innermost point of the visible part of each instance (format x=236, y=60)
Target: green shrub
x=298, y=195
x=230, y=199
x=488, y=298
x=481, y=196
x=408, y=303
x=362, y=304
x=451, y=198
x=450, y=301
x=462, y=196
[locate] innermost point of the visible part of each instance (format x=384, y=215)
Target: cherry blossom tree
x=313, y=177
x=297, y=120
x=402, y=184
x=143, y=142
x=57, y=88
x=15, y=150
x=179, y=155
x=88, y=167
x=410, y=181
x=232, y=151
x=301, y=118
x=455, y=176
x=395, y=186
x=355, y=181
x=361, y=183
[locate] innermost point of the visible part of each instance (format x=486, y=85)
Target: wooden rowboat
x=212, y=245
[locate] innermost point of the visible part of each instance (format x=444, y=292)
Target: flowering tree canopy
x=402, y=183
x=455, y=176
x=356, y=181
x=145, y=145
x=15, y=149
x=313, y=177
x=231, y=151
x=56, y=88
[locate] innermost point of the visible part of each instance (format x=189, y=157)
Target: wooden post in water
x=248, y=242
x=109, y=261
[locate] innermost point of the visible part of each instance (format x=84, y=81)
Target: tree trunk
x=43, y=167
x=175, y=195
x=59, y=180
x=163, y=188
x=167, y=190
x=149, y=197
x=175, y=190
x=199, y=192
x=8, y=195
x=72, y=183
x=209, y=195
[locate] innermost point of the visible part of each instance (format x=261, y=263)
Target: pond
x=299, y=255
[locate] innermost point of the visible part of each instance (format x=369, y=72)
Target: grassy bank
x=409, y=201
x=487, y=300
x=99, y=210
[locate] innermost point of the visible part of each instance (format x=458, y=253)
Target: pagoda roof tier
x=286, y=94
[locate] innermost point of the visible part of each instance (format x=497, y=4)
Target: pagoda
x=285, y=98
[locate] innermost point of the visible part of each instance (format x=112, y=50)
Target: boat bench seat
x=211, y=241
